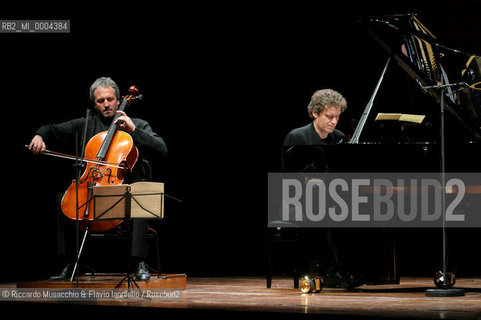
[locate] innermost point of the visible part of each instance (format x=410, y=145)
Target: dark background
x=223, y=85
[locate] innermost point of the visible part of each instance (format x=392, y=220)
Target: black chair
x=121, y=233
x=284, y=248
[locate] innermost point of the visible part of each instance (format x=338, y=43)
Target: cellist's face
x=106, y=101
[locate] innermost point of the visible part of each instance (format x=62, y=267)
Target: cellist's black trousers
x=66, y=233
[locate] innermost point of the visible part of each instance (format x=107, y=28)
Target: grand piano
x=447, y=139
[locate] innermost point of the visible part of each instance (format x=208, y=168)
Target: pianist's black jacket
x=307, y=135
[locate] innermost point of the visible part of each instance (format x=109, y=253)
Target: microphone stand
x=78, y=166
x=443, y=284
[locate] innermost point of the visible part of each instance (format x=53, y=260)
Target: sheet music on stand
x=139, y=200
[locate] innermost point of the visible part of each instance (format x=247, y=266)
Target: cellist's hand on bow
x=124, y=122
x=37, y=145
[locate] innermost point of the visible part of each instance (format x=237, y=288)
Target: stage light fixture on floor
x=444, y=286
x=309, y=285
x=442, y=280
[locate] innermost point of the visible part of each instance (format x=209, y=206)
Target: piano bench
x=289, y=248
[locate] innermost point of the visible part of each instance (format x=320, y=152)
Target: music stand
x=140, y=200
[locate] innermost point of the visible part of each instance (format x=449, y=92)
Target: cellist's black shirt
x=150, y=145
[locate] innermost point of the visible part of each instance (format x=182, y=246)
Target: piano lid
x=436, y=68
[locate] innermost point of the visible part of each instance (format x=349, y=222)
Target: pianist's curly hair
x=323, y=98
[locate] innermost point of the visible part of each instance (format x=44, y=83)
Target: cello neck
x=110, y=134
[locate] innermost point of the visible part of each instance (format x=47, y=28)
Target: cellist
x=105, y=95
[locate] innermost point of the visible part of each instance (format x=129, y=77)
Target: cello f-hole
x=110, y=175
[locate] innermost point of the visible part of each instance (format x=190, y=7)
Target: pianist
x=324, y=109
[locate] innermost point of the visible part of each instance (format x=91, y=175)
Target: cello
x=104, y=149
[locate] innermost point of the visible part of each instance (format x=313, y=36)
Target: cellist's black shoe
x=64, y=273
x=142, y=273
